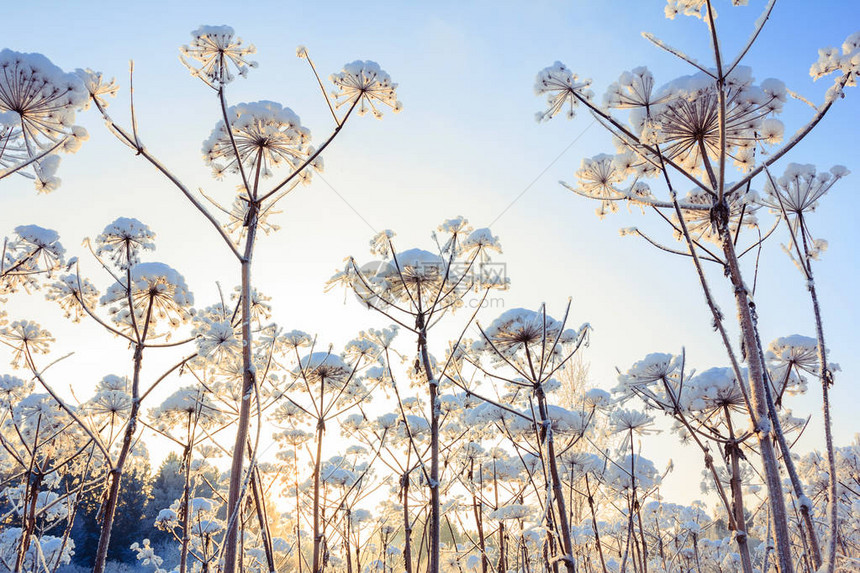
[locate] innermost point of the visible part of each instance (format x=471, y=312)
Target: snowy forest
x=423, y=408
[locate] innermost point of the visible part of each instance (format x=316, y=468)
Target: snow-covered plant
x=145, y=301
x=416, y=288
x=44, y=457
x=714, y=131
x=524, y=350
x=38, y=103
x=34, y=251
x=250, y=142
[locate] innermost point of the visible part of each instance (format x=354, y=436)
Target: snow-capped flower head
x=296, y=339
x=566, y=421
x=414, y=274
x=184, y=406
x=216, y=339
x=12, y=389
x=562, y=88
x=598, y=178
x=485, y=414
x=522, y=334
x=456, y=226
x=596, y=398
x=37, y=415
x=654, y=367
x=43, y=548
x=795, y=351
x=697, y=8
x=97, y=87
x=742, y=206
x=158, y=292
x=479, y=243
x=352, y=424
x=383, y=337
x=42, y=101
x=577, y=464
x=799, y=188
x=34, y=250
x=512, y=511
x=111, y=398
x=25, y=337
x=214, y=55
x=361, y=348
x=848, y=62
x=454, y=230
x=686, y=123
x=622, y=474
x=293, y=436
x=713, y=389
x=380, y=244
x=333, y=472
x=633, y=90
x=630, y=421
x=325, y=368
x=364, y=84
x=267, y=135
x=123, y=240
x=38, y=242
x=71, y=292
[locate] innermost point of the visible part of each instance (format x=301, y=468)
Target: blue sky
x=465, y=144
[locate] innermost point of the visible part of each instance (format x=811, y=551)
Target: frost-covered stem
x=709, y=299
x=231, y=536
x=636, y=507
x=503, y=550
x=721, y=91
x=317, y=561
x=546, y=436
x=22, y=548
x=479, y=522
x=222, y=98
x=737, y=495
x=758, y=28
x=262, y=516
x=594, y=523
x=435, y=508
x=628, y=538
x=298, y=508
x=127, y=441
x=826, y=378
x=186, y=502
x=696, y=552
x=34, y=482
x=407, y=523
x=346, y=549
x=758, y=411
